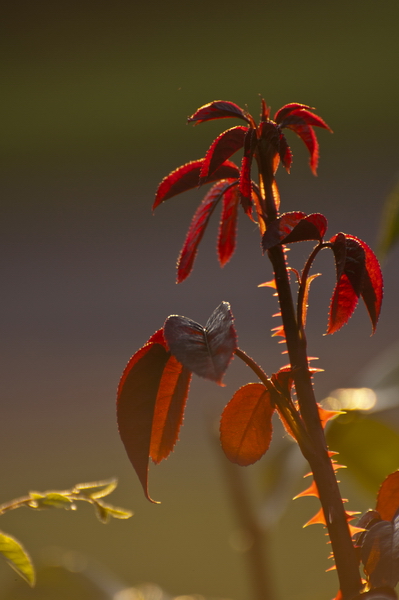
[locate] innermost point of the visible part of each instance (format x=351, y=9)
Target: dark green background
x=94, y=102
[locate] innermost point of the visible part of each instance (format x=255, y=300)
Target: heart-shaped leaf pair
x=154, y=386
x=206, y=351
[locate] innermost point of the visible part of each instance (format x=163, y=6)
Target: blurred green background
x=94, y=101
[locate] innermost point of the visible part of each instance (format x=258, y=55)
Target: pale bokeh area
x=94, y=102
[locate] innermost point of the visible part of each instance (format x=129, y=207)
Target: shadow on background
x=95, y=99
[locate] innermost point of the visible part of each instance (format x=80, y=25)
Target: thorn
x=317, y=519
x=270, y=284
x=310, y=491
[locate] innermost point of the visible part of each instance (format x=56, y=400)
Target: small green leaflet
x=17, y=557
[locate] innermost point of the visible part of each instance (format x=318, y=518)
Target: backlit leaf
x=228, y=225
x=96, y=489
x=388, y=497
x=287, y=109
x=17, y=557
x=246, y=424
x=294, y=227
x=169, y=409
x=380, y=553
x=150, y=405
x=285, y=153
x=358, y=273
x=350, y=267
x=245, y=173
x=187, y=177
x=206, y=351
x=372, y=288
x=197, y=228
x=308, y=136
x=218, y=109
x=136, y=399
x=225, y=145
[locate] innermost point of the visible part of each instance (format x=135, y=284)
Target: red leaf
x=197, y=229
x=225, y=145
x=294, y=227
x=373, y=286
x=246, y=424
x=187, y=177
x=219, y=109
x=388, y=497
x=136, y=399
x=307, y=135
x=245, y=174
x=285, y=153
x=350, y=267
x=207, y=350
x=358, y=273
x=307, y=116
x=169, y=409
x=228, y=225
x=343, y=304
x=287, y=109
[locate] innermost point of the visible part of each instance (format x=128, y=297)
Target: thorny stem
x=317, y=453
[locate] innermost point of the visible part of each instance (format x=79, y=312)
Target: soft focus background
x=94, y=101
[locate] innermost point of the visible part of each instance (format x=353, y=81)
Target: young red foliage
x=187, y=177
x=224, y=146
x=294, y=227
x=206, y=351
x=228, y=225
x=246, y=424
x=199, y=223
x=358, y=274
x=219, y=109
x=150, y=402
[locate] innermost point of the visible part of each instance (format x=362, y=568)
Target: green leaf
x=105, y=511
x=96, y=489
x=51, y=500
x=368, y=447
x=17, y=557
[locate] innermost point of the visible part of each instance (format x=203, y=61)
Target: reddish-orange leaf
x=246, y=424
x=169, y=409
x=136, y=399
x=197, y=228
x=224, y=146
x=187, y=177
x=388, y=497
x=228, y=225
x=218, y=109
x=343, y=304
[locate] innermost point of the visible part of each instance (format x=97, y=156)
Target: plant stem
x=320, y=463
